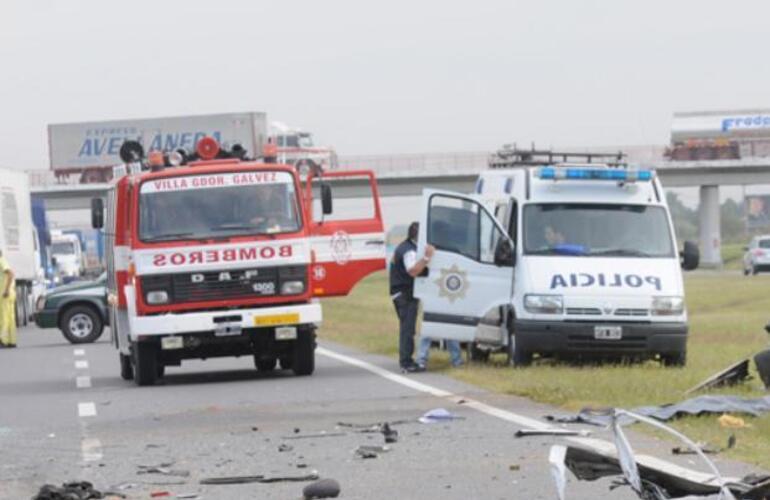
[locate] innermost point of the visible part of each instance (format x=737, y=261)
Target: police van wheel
x=126, y=368
x=145, y=363
x=477, y=354
x=304, y=352
x=517, y=357
x=676, y=359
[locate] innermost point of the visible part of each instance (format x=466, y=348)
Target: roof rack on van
x=510, y=156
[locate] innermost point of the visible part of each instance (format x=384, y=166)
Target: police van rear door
x=464, y=288
x=348, y=244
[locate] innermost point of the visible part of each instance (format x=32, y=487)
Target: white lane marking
x=86, y=409
x=598, y=445
x=83, y=382
x=81, y=364
x=91, y=449
x=80, y=352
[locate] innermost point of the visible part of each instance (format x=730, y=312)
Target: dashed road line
x=80, y=352
x=81, y=364
x=599, y=445
x=83, y=382
x=91, y=449
x=86, y=409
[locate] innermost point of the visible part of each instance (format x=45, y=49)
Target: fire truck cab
x=212, y=254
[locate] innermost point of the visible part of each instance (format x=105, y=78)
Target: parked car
x=79, y=310
x=757, y=256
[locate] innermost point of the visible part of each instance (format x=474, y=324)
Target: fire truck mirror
x=326, y=199
x=97, y=213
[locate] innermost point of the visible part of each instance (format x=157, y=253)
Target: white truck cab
x=556, y=260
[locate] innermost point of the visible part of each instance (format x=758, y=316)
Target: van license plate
x=608, y=332
x=227, y=330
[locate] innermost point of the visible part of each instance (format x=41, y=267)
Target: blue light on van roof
x=602, y=174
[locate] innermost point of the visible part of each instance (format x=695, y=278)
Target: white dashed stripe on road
x=86, y=409
x=83, y=382
x=599, y=445
x=91, y=449
x=80, y=352
x=81, y=364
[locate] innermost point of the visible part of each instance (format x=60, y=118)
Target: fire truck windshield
x=218, y=205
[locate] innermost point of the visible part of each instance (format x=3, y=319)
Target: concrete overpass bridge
x=407, y=175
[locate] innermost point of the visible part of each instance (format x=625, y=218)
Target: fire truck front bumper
x=223, y=323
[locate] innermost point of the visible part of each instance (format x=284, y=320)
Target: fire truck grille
x=223, y=285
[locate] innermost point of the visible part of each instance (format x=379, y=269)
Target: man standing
x=7, y=305
x=404, y=267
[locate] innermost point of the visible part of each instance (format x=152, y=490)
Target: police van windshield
x=592, y=230
x=218, y=205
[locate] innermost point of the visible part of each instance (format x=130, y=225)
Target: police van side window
x=453, y=225
x=490, y=237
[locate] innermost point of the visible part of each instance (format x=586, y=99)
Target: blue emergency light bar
x=600, y=174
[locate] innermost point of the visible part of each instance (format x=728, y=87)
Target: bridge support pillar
x=708, y=223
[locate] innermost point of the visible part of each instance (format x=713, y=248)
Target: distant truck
x=66, y=257
x=719, y=135
x=88, y=151
x=296, y=147
x=19, y=241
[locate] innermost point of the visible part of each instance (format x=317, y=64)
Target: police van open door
x=467, y=289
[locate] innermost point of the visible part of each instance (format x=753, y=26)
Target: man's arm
x=8, y=280
x=420, y=264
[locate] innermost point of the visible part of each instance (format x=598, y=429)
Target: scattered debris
x=551, y=432
x=375, y=448
x=365, y=454
x=322, y=434
x=651, y=479
x=188, y=495
x=391, y=435
x=733, y=374
x=285, y=447
x=259, y=479
x=762, y=362
x=514, y=467
x=255, y=428
x=154, y=469
x=325, y=488
x=438, y=415
x=158, y=494
x=731, y=422
x=705, y=448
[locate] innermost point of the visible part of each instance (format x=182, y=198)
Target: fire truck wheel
x=304, y=352
x=126, y=368
x=161, y=370
x=264, y=364
x=285, y=363
x=145, y=363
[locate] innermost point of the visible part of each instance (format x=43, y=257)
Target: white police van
x=556, y=260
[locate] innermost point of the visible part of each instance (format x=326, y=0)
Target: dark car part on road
x=551, y=432
x=325, y=488
x=314, y=436
x=762, y=360
x=391, y=435
x=76, y=490
x=81, y=324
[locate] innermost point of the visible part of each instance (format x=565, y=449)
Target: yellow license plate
x=277, y=319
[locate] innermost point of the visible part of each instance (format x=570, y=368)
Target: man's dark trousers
x=406, y=309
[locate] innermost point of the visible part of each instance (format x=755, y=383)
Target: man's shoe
x=412, y=369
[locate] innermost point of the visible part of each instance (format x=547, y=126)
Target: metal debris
x=259, y=479
x=323, y=434
x=551, y=432
x=438, y=415
x=325, y=488
x=284, y=448
x=733, y=374
x=150, y=469
x=75, y=490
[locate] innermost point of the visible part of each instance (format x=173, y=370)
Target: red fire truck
x=218, y=255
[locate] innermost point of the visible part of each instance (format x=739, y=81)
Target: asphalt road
x=65, y=414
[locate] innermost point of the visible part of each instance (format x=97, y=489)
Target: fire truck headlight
x=157, y=297
x=292, y=287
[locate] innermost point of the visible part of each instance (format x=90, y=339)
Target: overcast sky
x=383, y=77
